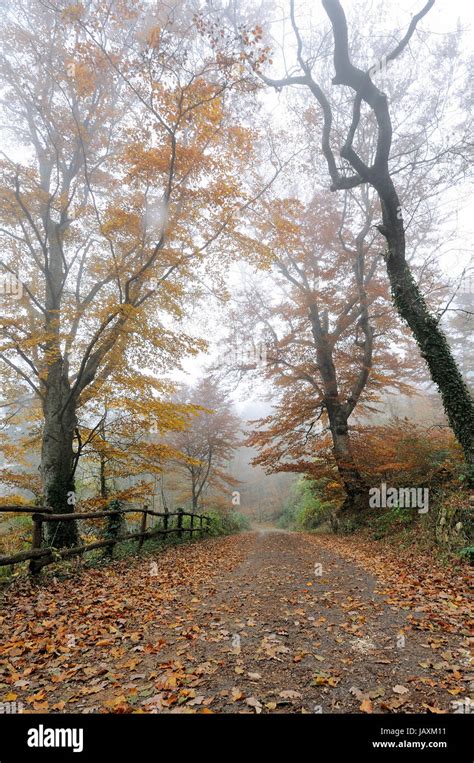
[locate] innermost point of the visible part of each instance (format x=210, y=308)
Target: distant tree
x=123, y=456
x=459, y=326
x=208, y=443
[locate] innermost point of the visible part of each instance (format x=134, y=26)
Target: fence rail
x=39, y=556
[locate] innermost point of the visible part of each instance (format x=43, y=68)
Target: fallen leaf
x=253, y=702
x=41, y=707
x=290, y=694
x=394, y=703
x=374, y=693
x=36, y=697
x=400, y=689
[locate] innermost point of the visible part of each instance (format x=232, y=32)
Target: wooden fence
x=39, y=556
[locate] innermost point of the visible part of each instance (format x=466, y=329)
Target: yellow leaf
x=41, y=706
x=36, y=697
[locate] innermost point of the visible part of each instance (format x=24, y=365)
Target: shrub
x=227, y=523
x=467, y=553
x=305, y=509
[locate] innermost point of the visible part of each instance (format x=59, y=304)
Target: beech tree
x=128, y=171
x=332, y=345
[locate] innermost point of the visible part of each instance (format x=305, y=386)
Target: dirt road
x=266, y=621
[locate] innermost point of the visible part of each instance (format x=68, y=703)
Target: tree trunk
x=57, y=457
x=115, y=526
x=354, y=484
x=338, y=414
x=194, y=496
x=434, y=348
x=115, y=522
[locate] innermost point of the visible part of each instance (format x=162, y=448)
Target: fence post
x=36, y=541
x=143, y=525
x=191, y=524
x=180, y=523
x=114, y=526
x=200, y=525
